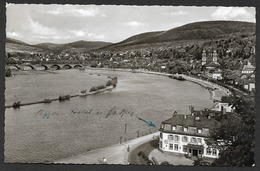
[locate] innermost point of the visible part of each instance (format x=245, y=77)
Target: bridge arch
x=42, y=65
x=45, y=66
x=57, y=67
x=18, y=67
x=32, y=67
x=67, y=66
x=78, y=66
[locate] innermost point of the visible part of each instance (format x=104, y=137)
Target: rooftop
x=192, y=121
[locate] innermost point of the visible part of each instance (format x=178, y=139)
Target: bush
x=140, y=153
x=101, y=87
x=17, y=104
x=97, y=88
x=47, y=101
x=8, y=72
x=165, y=163
x=64, y=97
x=83, y=91
x=93, y=89
x=150, y=162
x=109, y=83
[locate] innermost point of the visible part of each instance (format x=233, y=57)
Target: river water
x=47, y=132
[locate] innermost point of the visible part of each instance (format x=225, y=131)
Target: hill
x=13, y=45
x=199, y=31
x=81, y=45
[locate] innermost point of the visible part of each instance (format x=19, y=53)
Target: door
x=195, y=152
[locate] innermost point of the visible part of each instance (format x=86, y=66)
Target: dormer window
x=173, y=128
x=199, y=131
x=161, y=126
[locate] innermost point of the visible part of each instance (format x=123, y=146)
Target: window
x=214, y=152
x=161, y=135
x=184, y=139
x=184, y=149
x=179, y=127
x=199, y=131
x=160, y=144
x=176, y=138
x=193, y=140
x=170, y=137
x=173, y=128
x=176, y=147
x=185, y=129
x=170, y=146
x=199, y=140
x=208, y=151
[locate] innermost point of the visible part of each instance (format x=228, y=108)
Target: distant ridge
x=193, y=31
x=78, y=44
x=13, y=45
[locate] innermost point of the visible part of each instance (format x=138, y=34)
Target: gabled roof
x=249, y=67
x=212, y=64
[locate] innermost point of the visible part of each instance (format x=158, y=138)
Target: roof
x=213, y=64
x=190, y=121
x=249, y=67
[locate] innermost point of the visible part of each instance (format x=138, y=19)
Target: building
x=223, y=106
x=210, y=64
x=248, y=68
x=216, y=75
x=185, y=134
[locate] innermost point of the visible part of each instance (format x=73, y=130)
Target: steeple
x=215, y=56
x=204, y=58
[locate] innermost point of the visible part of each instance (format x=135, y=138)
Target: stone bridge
x=45, y=66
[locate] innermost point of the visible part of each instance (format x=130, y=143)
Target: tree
x=235, y=137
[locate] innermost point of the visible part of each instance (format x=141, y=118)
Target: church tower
x=204, y=58
x=215, y=56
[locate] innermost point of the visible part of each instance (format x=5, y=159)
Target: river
x=47, y=132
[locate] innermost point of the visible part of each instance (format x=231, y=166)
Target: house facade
x=186, y=134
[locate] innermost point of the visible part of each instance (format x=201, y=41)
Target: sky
x=37, y=23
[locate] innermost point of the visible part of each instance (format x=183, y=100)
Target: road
x=147, y=147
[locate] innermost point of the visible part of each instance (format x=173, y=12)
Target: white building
x=223, y=106
x=185, y=134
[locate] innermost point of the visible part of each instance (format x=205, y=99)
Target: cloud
x=78, y=33
x=40, y=29
x=79, y=12
x=232, y=13
x=86, y=34
x=135, y=24
x=176, y=13
x=13, y=34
